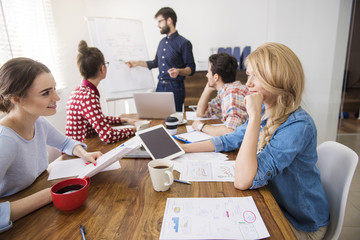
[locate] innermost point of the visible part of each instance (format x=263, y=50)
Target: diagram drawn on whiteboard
x=121, y=40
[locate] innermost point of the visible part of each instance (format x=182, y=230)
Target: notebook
x=154, y=105
x=159, y=143
x=107, y=161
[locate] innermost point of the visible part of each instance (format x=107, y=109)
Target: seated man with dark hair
x=229, y=102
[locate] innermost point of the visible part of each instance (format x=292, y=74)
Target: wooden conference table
x=122, y=204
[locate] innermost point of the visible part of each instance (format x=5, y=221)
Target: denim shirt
x=287, y=166
x=174, y=51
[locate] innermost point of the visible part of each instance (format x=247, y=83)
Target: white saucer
x=183, y=122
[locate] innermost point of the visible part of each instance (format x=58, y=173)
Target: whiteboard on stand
x=121, y=40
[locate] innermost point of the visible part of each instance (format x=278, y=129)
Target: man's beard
x=165, y=29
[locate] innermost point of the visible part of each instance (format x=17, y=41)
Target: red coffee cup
x=68, y=195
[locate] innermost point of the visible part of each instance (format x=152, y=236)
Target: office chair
x=221, y=49
x=246, y=51
x=337, y=164
x=236, y=54
x=226, y=50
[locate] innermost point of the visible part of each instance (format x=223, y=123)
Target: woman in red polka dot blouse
x=84, y=114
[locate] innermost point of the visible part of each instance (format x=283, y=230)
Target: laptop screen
x=159, y=143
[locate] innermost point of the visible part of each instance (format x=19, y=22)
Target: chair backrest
x=337, y=164
x=246, y=51
x=236, y=54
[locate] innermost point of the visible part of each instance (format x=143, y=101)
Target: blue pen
x=182, y=181
x=82, y=231
x=181, y=139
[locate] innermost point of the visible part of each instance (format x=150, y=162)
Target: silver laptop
x=155, y=105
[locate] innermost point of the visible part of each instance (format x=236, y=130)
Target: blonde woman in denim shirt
x=278, y=142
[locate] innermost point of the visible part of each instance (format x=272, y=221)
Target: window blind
x=27, y=30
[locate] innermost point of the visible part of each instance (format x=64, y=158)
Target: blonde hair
x=280, y=72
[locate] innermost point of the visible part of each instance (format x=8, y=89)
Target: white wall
x=70, y=29
x=316, y=31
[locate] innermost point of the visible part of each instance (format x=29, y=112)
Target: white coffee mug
x=141, y=125
x=161, y=174
x=179, y=116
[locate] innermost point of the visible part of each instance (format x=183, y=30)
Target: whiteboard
x=121, y=40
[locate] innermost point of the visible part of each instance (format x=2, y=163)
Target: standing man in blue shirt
x=174, y=58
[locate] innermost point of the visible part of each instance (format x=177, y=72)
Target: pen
x=181, y=139
x=82, y=231
x=193, y=107
x=181, y=181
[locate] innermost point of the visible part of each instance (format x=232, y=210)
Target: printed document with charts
x=212, y=218
x=208, y=171
x=108, y=161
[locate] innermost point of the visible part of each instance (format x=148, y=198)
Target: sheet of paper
x=193, y=136
x=73, y=167
x=192, y=116
x=179, y=162
x=189, y=128
x=212, y=218
x=208, y=171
